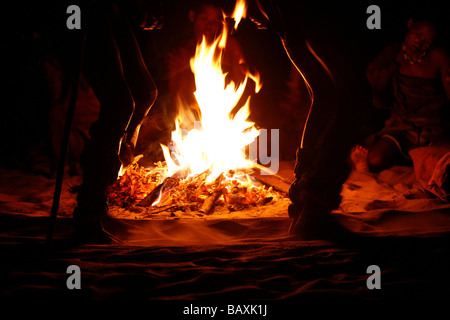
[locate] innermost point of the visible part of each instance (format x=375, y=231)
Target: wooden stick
x=66, y=137
x=167, y=184
x=208, y=206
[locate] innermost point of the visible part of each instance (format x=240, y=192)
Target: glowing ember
x=147, y=189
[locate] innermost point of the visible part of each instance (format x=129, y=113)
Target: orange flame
x=240, y=12
x=217, y=142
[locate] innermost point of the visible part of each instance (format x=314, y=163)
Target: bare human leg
x=384, y=154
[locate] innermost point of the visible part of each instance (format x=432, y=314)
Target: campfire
x=207, y=168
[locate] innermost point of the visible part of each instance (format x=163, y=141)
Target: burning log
x=265, y=201
x=208, y=206
x=155, y=210
x=210, y=201
x=156, y=193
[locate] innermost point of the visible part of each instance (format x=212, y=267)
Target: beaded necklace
x=413, y=60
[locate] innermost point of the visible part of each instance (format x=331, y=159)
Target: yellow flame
x=216, y=143
x=240, y=12
x=121, y=171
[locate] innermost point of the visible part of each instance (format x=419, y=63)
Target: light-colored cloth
x=431, y=166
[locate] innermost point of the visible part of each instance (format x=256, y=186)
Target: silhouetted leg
x=141, y=84
x=139, y=79
x=319, y=175
x=100, y=163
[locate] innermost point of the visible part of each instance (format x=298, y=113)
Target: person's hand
x=151, y=23
x=151, y=14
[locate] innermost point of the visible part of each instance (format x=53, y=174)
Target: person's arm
x=443, y=61
x=380, y=75
x=379, y=72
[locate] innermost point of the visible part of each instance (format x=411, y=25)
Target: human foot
x=358, y=155
x=88, y=228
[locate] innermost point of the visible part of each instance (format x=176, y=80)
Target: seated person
x=412, y=80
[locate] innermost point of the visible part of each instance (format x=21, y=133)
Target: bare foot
x=358, y=155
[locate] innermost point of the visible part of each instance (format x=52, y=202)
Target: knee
x=376, y=161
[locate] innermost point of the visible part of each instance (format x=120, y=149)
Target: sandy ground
x=399, y=227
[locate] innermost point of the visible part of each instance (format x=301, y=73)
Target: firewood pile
x=149, y=191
